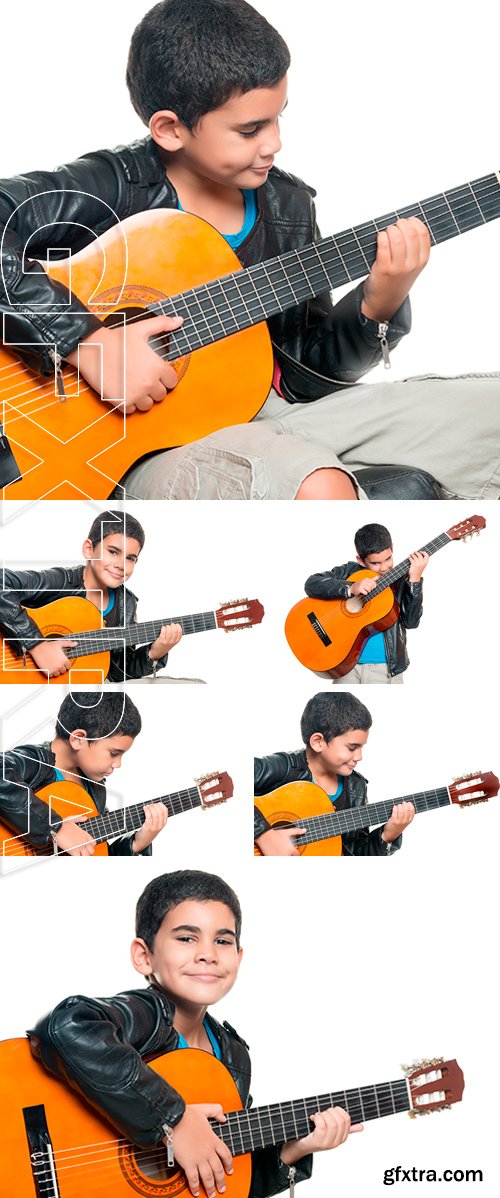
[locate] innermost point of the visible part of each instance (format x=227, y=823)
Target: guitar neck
x=403, y=568
x=130, y=819
x=258, y=1127
x=237, y=301
x=101, y=640
x=320, y=827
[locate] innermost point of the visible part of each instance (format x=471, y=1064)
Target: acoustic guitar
x=81, y=621
x=305, y=805
x=328, y=635
x=56, y=1146
x=68, y=443
x=67, y=799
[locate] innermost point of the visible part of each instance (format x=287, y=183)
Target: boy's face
x=342, y=754
x=98, y=758
x=194, y=956
x=379, y=562
x=112, y=560
x=235, y=145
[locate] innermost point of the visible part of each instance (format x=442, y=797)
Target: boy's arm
x=330, y=584
x=412, y=604
x=25, y=588
x=96, y=1046
x=19, y=806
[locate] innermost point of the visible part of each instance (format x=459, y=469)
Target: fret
x=246, y=297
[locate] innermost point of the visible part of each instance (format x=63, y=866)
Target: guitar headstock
x=466, y=528
x=474, y=788
x=434, y=1085
x=215, y=788
x=241, y=613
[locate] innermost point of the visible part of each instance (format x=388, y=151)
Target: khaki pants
x=447, y=426
x=369, y=674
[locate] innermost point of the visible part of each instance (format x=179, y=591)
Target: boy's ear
x=359, y=559
x=78, y=738
x=317, y=742
x=167, y=130
x=141, y=957
x=88, y=549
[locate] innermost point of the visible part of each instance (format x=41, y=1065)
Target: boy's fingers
x=356, y=1127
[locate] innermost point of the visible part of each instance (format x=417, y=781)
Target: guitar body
x=65, y=799
x=345, y=623
x=88, y=1157
x=58, y=619
x=294, y=802
x=81, y=446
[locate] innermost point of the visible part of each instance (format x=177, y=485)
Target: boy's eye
x=249, y=132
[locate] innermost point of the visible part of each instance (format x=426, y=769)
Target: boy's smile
x=340, y=756
x=194, y=957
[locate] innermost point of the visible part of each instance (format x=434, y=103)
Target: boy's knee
x=327, y=483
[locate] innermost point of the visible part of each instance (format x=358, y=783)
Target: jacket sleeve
x=122, y=847
x=337, y=342
x=368, y=844
x=271, y=1176
x=411, y=606
x=60, y=211
x=19, y=805
x=25, y=588
x=270, y=772
x=331, y=584
x=96, y=1046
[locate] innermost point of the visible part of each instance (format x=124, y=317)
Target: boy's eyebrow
x=188, y=927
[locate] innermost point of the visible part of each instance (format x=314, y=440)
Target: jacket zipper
x=383, y=326
x=169, y=1138
x=291, y=1179
x=57, y=360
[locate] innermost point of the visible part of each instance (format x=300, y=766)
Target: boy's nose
x=271, y=144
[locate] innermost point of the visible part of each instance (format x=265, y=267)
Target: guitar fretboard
x=101, y=640
x=320, y=827
x=237, y=301
x=248, y=1130
x=402, y=568
x=130, y=819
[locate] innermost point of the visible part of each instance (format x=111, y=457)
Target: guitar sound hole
x=152, y=1162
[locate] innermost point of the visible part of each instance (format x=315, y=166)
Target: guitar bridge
x=318, y=628
x=41, y=1152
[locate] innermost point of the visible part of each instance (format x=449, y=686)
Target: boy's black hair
x=111, y=522
x=98, y=714
x=332, y=715
x=191, y=56
x=169, y=890
x=372, y=538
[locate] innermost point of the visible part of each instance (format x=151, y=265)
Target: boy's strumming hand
x=279, y=842
x=156, y=816
x=331, y=1128
x=170, y=635
x=130, y=367
x=402, y=252
x=199, y=1151
x=363, y=586
x=401, y=815
x=74, y=840
x=50, y=657
x=418, y=563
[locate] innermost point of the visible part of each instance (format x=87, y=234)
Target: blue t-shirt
x=374, y=650
x=216, y=1047
x=60, y=777
x=111, y=604
x=338, y=791
x=236, y=239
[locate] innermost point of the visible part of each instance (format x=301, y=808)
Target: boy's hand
x=401, y=815
x=203, y=1156
x=50, y=657
x=419, y=561
x=156, y=817
x=74, y=840
x=170, y=635
x=279, y=842
x=402, y=252
x=331, y=1128
x=148, y=377
x=363, y=586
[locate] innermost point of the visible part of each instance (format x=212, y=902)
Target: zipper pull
x=57, y=360
x=291, y=1179
x=384, y=344
x=169, y=1140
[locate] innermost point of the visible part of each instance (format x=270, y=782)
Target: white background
x=346, y=973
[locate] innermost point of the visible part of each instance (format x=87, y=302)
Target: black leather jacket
x=280, y=768
x=26, y=769
x=31, y=587
x=319, y=347
x=331, y=585
x=100, y=1047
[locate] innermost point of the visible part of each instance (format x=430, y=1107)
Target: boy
x=187, y=945
x=334, y=730
x=384, y=658
x=210, y=81
x=90, y=741
x=110, y=552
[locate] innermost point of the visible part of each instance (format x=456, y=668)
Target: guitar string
x=348, y=233
x=356, y=818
